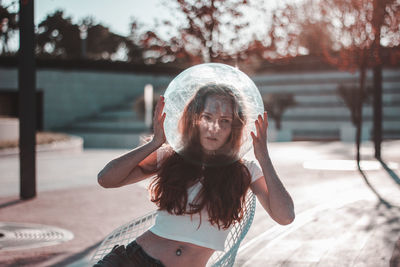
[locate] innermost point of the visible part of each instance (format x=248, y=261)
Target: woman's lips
x=211, y=139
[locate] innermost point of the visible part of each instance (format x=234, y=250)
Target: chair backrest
x=128, y=232
x=235, y=236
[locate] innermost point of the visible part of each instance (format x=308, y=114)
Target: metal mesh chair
x=128, y=232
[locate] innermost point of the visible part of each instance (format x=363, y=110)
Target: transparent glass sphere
x=183, y=88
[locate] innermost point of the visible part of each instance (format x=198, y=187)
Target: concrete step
x=129, y=125
x=316, y=88
x=389, y=113
x=333, y=125
x=327, y=130
x=332, y=104
x=114, y=127
x=116, y=115
x=330, y=135
x=335, y=135
x=321, y=77
x=335, y=118
x=127, y=106
x=103, y=139
x=387, y=99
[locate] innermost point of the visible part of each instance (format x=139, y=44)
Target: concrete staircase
x=115, y=127
x=319, y=113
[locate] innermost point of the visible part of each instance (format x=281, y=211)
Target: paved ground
x=340, y=219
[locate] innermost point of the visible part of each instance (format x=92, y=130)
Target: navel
x=178, y=252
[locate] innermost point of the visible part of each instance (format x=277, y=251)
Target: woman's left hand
x=260, y=140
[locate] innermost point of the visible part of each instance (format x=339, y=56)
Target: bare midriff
x=172, y=252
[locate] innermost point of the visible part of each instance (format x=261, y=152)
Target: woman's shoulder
x=254, y=168
x=165, y=149
x=163, y=152
x=248, y=162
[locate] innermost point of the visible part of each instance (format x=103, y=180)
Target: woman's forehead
x=218, y=105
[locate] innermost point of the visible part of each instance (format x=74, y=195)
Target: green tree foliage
x=8, y=27
x=336, y=29
x=134, y=49
x=353, y=99
x=101, y=43
x=150, y=48
x=58, y=36
x=210, y=28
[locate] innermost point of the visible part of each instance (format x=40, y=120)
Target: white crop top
x=186, y=227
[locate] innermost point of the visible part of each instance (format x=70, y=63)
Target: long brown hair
x=225, y=179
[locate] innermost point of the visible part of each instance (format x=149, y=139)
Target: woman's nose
x=214, y=126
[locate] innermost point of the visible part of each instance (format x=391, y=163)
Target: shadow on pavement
x=390, y=212
x=381, y=199
x=31, y=261
x=11, y=203
x=390, y=172
x=395, y=260
x=78, y=256
x=392, y=237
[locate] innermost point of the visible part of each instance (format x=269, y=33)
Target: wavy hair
x=225, y=179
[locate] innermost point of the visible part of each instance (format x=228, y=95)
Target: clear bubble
x=183, y=88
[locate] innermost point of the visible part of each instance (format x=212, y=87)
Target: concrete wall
x=71, y=95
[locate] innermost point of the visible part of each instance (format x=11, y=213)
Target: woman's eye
x=206, y=117
x=225, y=121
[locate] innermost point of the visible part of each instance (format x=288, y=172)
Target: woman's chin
x=209, y=151
x=209, y=148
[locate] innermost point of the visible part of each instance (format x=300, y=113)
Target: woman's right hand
x=158, y=122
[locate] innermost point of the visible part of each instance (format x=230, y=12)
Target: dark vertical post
x=377, y=110
x=27, y=100
x=378, y=16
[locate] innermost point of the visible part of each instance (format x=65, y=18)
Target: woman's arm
x=129, y=168
x=139, y=163
x=269, y=190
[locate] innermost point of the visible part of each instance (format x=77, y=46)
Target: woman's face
x=215, y=123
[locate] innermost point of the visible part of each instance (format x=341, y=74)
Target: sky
x=117, y=14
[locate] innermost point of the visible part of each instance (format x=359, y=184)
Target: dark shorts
x=132, y=255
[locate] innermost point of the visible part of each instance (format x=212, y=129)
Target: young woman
x=200, y=190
